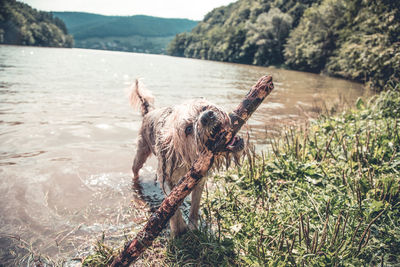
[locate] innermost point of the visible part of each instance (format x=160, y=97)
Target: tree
x=177, y=46
x=224, y=32
x=20, y=24
x=268, y=35
x=314, y=40
x=370, y=46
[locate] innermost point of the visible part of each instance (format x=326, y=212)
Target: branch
x=200, y=167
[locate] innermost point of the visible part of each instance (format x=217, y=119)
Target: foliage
x=134, y=33
x=268, y=34
x=314, y=39
x=184, y=250
x=20, y=24
x=178, y=45
x=247, y=31
x=103, y=255
x=86, y=25
x=369, y=48
x=354, y=39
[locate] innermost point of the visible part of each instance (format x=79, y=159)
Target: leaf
x=360, y=104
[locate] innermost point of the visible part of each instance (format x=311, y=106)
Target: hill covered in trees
x=127, y=33
x=354, y=39
x=22, y=25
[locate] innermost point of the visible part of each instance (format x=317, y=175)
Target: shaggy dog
x=176, y=135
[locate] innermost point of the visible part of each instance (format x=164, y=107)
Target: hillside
x=246, y=31
x=355, y=39
x=22, y=25
x=127, y=33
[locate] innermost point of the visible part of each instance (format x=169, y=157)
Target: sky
x=191, y=9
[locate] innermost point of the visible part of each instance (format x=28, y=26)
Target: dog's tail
x=140, y=98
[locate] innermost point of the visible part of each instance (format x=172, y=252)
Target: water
x=67, y=136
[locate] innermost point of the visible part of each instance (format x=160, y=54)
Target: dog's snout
x=207, y=117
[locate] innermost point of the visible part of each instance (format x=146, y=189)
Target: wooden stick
x=215, y=144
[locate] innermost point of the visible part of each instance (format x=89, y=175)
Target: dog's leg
x=165, y=175
x=177, y=223
x=142, y=153
x=195, y=205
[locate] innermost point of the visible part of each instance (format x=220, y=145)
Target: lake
x=67, y=136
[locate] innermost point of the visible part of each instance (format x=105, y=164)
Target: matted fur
x=176, y=135
x=186, y=148
x=141, y=98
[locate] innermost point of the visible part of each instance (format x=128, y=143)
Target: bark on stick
x=171, y=203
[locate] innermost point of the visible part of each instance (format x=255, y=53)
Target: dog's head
x=193, y=123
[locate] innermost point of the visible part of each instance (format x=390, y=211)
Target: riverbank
x=356, y=40
x=324, y=195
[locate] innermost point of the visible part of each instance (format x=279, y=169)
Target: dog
x=176, y=135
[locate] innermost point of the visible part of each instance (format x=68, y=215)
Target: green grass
x=327, y=195
x=184, y=251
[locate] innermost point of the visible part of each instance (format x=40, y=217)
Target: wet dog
x=176, y=135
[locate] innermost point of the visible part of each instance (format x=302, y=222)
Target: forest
x=137, y=33
x=354, y=39
x=22, y=25
x=86, y=25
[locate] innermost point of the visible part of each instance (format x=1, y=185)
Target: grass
x=184, y=251
x=324, y=195
x=14, y=251
x=103, y=255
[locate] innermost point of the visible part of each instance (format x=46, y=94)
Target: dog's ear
x=184, y=144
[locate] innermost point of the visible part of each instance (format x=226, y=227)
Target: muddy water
x=67, y=135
